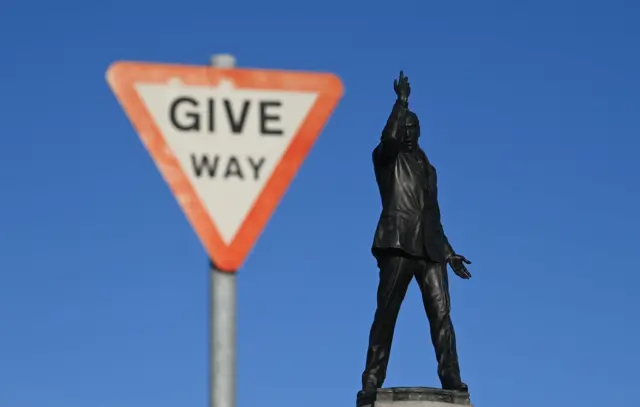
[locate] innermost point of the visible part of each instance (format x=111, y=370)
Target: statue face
x=413, y=127
x=413, y=132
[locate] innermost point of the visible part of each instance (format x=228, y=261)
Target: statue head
x=412, y=125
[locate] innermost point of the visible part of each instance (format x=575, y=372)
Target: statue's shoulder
x=376, y=149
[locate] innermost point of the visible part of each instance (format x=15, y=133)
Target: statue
x=410, y=243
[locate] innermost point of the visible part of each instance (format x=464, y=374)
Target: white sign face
x=228, y=141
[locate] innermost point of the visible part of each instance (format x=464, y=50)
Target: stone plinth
x=416, y=397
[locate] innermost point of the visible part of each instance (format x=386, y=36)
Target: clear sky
x=529, y=112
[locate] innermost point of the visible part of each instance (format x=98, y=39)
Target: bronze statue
x=410, y=243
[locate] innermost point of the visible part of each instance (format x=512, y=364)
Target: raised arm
x=392, y=133
x=394, y=129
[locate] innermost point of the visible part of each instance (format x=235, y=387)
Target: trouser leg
x=434, y=285
x=395, y=275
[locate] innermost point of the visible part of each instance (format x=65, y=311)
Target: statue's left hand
x=402, y=88
x=457, y=262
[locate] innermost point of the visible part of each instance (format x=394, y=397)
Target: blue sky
x=529, y=112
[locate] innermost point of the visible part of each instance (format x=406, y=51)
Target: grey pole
x=222, y=317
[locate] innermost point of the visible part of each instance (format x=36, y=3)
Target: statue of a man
x=410, y=243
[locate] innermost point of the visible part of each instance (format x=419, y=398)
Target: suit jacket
x=410, y=218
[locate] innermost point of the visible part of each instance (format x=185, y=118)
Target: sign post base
x=415, y=397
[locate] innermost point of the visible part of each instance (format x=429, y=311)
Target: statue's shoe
x=367, y=395
x=456, y=386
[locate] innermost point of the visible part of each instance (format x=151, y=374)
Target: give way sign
x=227, y=141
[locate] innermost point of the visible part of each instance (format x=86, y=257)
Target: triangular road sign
x=227, y=141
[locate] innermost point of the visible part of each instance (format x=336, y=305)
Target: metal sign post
x=222, y=338
x=222, y=316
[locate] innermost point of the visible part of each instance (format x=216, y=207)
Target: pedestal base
x=416, y=397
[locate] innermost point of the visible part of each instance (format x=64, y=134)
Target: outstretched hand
x=457, y=263
x=402, y=88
